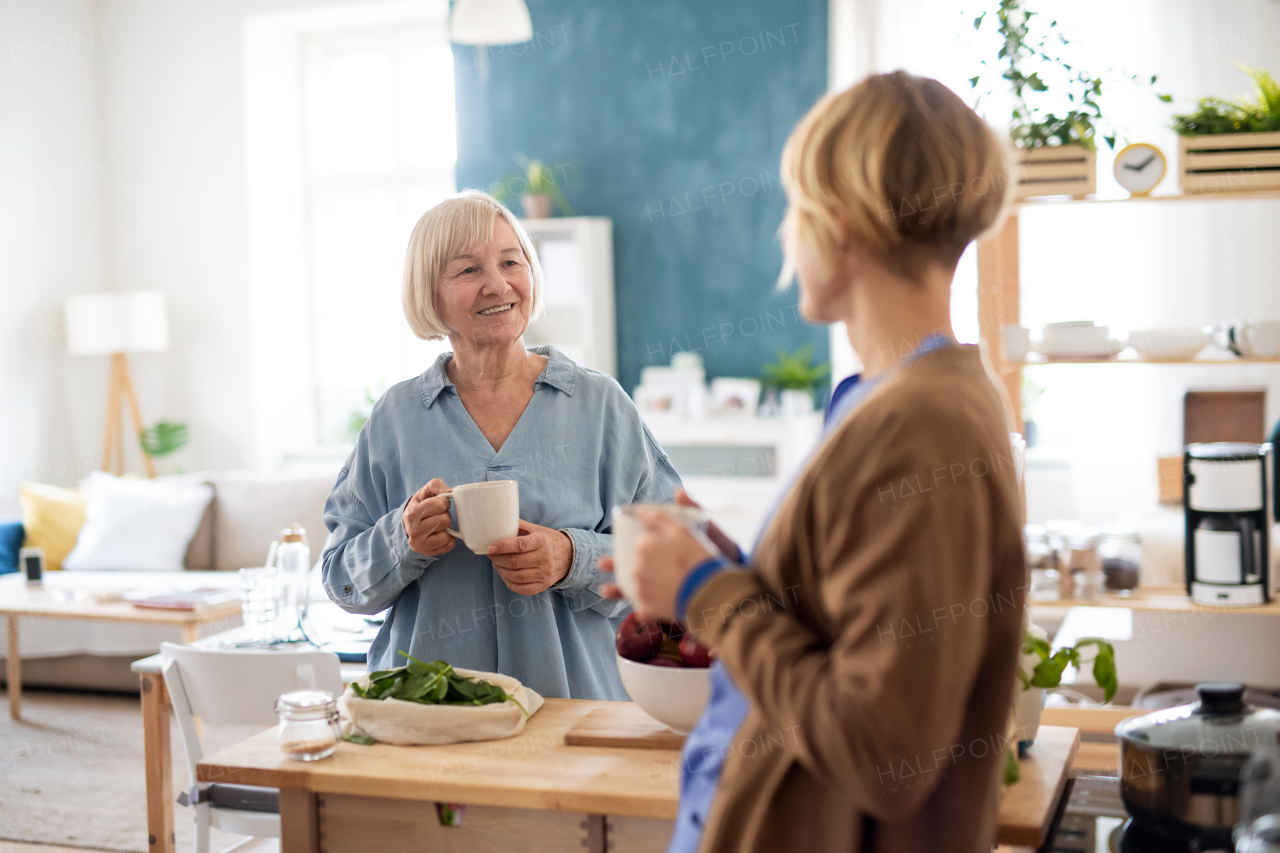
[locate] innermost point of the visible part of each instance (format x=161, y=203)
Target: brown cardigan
x=877, y=630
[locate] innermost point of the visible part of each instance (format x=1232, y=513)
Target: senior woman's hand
x=535, y=559
x=426, y=520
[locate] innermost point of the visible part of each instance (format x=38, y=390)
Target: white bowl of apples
x=665, y=671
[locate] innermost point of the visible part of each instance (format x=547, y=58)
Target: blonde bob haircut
x=454, y=226
x=896, y=166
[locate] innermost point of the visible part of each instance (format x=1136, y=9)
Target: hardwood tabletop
x=537, y=770
x=72, y=595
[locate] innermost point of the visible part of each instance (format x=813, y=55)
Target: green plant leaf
x=163, y=438
x=360, y=738
x=1011, y=772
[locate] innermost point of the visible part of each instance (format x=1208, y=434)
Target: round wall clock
x=1140, y=167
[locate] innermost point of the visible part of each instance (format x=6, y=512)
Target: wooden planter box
x=1229, y=162
x=1056, y=170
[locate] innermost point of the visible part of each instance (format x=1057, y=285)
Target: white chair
x=236, y=688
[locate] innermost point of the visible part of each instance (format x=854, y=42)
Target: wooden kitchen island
x=530, y=793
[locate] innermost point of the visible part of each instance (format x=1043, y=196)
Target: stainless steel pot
x=1180, y=766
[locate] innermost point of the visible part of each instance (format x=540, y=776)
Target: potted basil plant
x=1040, y=668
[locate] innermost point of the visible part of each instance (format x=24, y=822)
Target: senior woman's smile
x=490, y=410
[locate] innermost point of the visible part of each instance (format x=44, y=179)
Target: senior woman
x=866, y=649
x=490, y=410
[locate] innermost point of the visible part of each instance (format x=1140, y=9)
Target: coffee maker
x=1228, y=503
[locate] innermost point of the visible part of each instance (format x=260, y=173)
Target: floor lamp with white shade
x=116, y=324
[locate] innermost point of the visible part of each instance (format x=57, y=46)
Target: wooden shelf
x=1124, y=358
x=1172, y=599
x=1249, y=195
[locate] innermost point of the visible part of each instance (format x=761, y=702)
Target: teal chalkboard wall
x=668, y=116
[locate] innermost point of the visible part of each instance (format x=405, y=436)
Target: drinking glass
x=1259, y=828
x=258, y=602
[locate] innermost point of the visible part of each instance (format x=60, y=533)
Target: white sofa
x=248, y=511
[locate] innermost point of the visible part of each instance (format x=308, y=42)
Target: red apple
x=693, y=653
x=638, y=639
x=664, y=661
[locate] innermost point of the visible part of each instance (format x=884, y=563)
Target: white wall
x=121, y=167
x=53, y=176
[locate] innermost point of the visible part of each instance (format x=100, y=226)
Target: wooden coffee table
x=17, y=600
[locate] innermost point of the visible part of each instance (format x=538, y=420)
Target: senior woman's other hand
x=426, y=520
x=534, y=559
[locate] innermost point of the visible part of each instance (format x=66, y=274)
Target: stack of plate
x=1078, y=339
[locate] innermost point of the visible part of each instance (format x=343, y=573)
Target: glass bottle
x=294, y=562
x=1121, y=552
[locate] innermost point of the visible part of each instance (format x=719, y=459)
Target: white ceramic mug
x=486, y=512
x=627, y=528
x=1017, y=342
x=1256, y=338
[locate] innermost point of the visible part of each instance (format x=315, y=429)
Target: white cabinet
x=576, y=253
x=737, y=468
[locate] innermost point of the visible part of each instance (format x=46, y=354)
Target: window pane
x=351, y=106
x=358, y=322
x=428, y=138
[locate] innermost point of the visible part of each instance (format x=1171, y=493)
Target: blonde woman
x=866, y=648
x=490, y=410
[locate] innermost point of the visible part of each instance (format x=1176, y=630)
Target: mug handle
x=1229, y=342
x=455, y=534
x=1233, y=342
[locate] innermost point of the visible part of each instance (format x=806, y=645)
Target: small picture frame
x=735, y=398
x=31, y=561
x=661, y=401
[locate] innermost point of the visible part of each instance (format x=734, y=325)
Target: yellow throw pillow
x=52, y=517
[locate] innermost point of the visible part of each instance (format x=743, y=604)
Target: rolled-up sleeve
x=368, y=560
x=649, y=478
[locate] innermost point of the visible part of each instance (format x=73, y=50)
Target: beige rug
x=71, y=773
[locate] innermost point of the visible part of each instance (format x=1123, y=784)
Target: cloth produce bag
x=402, y=723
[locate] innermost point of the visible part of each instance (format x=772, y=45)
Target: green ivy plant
x=1218, y=115
x=539, y=180
x=795, y=371
x=1048, y=672
x=163, y=438
x=1032, y=126
x=356, y=420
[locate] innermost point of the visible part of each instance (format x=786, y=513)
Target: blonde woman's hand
x=726, y=545
x=535, y=559
x=426, y=520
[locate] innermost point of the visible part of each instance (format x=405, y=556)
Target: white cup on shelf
x=1016, y=341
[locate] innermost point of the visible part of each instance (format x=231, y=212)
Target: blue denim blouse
x=578, y=449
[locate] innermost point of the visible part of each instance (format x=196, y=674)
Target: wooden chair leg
x=158, y=764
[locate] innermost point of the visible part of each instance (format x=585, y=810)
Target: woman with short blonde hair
x=866, y=647
x=490, y=410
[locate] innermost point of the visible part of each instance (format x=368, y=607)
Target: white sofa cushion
x=137, y=525
x=251, y=508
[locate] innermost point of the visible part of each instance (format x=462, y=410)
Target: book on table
x=190, y=600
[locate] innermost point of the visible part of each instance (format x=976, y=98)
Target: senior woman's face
x=484, y=295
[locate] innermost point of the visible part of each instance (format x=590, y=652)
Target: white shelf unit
x=576, y=253
x=737, y=468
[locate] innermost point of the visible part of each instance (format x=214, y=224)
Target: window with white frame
x=379, y=149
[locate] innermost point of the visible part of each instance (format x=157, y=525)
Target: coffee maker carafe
x=1228, y=507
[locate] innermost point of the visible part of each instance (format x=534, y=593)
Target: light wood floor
x=20, y=847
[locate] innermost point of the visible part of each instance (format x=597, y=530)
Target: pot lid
x=1219, y=724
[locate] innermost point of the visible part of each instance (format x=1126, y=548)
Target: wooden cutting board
x=622, y=726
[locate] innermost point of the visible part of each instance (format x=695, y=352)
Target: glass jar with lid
x=1121, y=552
x=1083, y=563
x=1041, y=564
x=308, y=729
